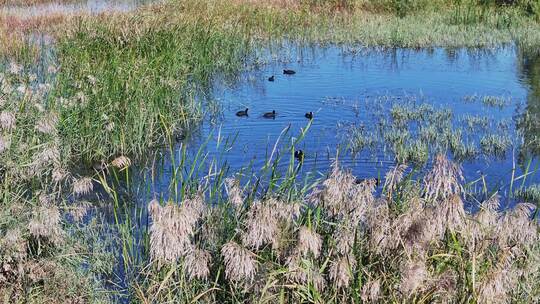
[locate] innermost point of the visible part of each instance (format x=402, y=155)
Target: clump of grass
x=392, y=23
x=495, y=144
x=529, y=126
x=530, y=194
x=360, y=139
x=414, y=132
x=132, y=88
x=495, y=101
x=475, y=122
x=416, y=152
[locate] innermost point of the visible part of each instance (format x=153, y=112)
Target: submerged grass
x=413, y=130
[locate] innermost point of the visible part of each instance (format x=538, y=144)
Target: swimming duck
x=299, y=155
x=271, y=78
x=289, y=72
x=361, y=180
x=309, y=115
x=242, y=113
x=270, y=114
x=180, y=136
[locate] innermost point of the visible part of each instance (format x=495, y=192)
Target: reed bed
x=47, y=253
x=343, y=242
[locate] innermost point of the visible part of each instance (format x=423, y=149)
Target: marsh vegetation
x=122, y=179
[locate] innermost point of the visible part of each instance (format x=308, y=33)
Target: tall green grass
x=130, y=87
x=127, y=79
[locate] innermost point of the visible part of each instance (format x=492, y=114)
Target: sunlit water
x=344, y=88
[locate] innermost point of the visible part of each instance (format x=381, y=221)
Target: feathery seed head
x=58, y=174
x=452, y=213
x=172, y=228
x=393, y=177
x=154, y=208
x=4, y=144
x=82, y=186
x=262, y=226
x=495, y=287
x=7, y=120
x=444, y=179
x=371, y=291
x=79, y=211
x=317, y=279
x=309, y=241
x=121, y=162
x=517, y=228
x=50, y=155
x=169, y=234
x=345, y=237
x=236, y=197
x=240, y=265
x=413, y=276
x=14, y=243
x=45, y=223
x=341, y=271
x=197, y=264
x=47, y=124
x=15, y=68
x=336, y=191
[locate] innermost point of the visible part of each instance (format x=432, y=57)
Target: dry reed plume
x=421, y=251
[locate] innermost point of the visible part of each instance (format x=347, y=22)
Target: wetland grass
x=127, y=82
x=341, y=241
x=412, y=24
x=412, y=129
x=44, y=256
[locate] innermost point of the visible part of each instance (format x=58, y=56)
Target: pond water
x=355, y=95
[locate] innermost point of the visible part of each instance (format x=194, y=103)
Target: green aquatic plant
x=495, y=101
x=530, y=194
x=416, y=152
x=360, y=140
x=410, y=129
x=495, y=144
x=475, y=122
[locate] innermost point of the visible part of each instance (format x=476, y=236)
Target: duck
x=299, y=155
x=309, y=115
x=180, y=136
x=289, y=72
x=270, y=114
x=242, y=113
x=361, y=180
x=271, y=78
